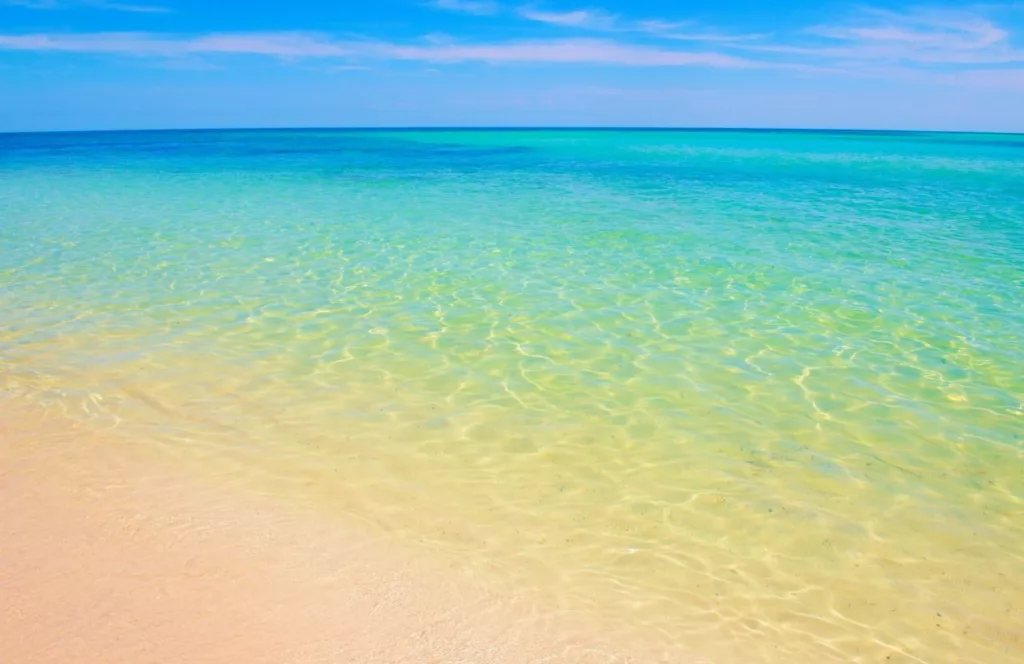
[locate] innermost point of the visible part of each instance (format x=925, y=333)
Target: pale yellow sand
x=109, y=555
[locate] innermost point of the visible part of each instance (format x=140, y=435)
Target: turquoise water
x=761, y=392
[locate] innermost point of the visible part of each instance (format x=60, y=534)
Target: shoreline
x=111, y=555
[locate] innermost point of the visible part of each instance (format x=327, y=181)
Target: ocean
x=759, y=391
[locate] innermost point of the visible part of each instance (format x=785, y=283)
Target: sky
x=136, y=64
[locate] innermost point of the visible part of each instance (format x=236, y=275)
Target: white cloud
x=127, y=7
x=591, y=19
x=580, y=51
x=111, y=5
x=658, y=26
x=34, y=4
x=923, y=37
x=305, y=45
x=601, y=21
x=709, y=37
x=476, y=7
x=875, y=43
x=146, y=44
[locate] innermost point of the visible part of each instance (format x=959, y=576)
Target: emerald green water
x=761, y=393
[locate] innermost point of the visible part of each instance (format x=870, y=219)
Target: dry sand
x=109, y=554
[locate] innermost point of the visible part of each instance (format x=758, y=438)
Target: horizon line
x=638, y=128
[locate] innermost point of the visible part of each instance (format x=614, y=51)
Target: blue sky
x=99, y=64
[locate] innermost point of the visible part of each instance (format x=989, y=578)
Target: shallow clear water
x=762, y=392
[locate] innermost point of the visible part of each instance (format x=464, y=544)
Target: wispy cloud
x=600, y=20
x=95, y=4
x=287, y=45
x=33, y=4
x=307, y=45
x=579, y=51
x=127, y=7
x=707, y=36
x=872, y=43
x=923, y=37
x=874, y=40
x=591, y=19
x=475, y=7
x=658, y=26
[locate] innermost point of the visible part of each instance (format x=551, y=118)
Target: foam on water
x=759, y=391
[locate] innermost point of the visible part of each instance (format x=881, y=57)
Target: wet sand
x=110, y=554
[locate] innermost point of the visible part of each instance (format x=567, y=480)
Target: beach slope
x=110, y=555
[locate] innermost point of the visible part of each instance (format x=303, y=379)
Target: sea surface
x=756, y=392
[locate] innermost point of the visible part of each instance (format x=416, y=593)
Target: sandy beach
x=111, y=555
